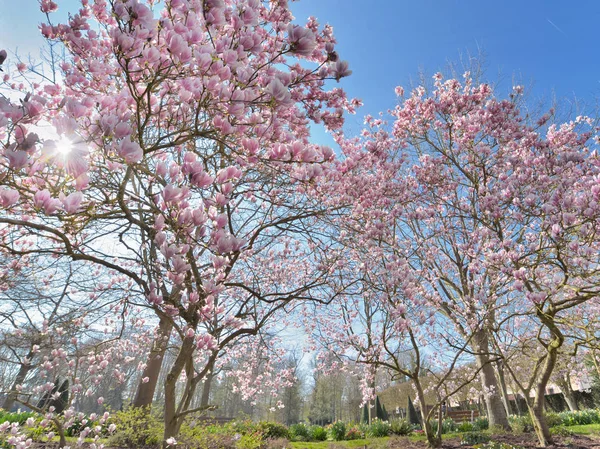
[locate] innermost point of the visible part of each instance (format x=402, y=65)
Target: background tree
x=40, y=308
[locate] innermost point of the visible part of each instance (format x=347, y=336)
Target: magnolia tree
x=181, y=165
x=378, y=328
x=547, y=230
x=417, y=208
x=494, y=216
x=518, y=339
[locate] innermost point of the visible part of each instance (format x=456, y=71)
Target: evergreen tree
x=413, y=417
x=365, y=414
x=378, y=409
x=386, y=415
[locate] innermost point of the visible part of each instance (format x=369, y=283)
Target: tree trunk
x=440, y=422
x=369, y=405
x=503, y=390
x=570, y=400
x=172, y=417
x=145, y=390
x=62, y=439
x=567, y=391
x=517, y=405
x=537, y=410
x=432, y=438
x=495, y=409
x=595, y=361
x=21, y=375
x=206, y=389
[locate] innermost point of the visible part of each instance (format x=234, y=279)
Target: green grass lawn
x=370, y=442
x=590, y=429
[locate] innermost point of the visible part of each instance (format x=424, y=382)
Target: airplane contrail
x=555, y=26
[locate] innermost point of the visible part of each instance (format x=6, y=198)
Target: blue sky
x=550, y=46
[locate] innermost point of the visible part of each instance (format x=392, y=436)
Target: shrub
x=35, y=432
x=273, y=430
x=472, y=438
x=520, y=424
x=497, y=429
x=214, y=441
x=18, y=417
x=553, y=419
x=593, y=415
x=448, y=425
x=234, y=435
x=80, y=422
x=354, y=433
x=364, y=428
x=195, y=431
x=561, y=431
x=568, y=418
x=38, y=433
x=299, y=432
x=400, y=427
x=250, y=441
x=582, y=417
x=379, y=428
x=499, y=445
x=338, y=431
x=466, y=426
x=481, y=423
x=136, y=427
x=242, y=427
x=317, y=433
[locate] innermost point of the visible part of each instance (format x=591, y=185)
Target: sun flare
x=64, y=146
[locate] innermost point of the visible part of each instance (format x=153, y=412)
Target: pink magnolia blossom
x=228, y=174
x=130, y=151
x=16, y=159
x=43, y=200
x=340, y=70
x=8, y=197
x=72, y=202
x=279, y=92
x=48, y=6
x=302, y=40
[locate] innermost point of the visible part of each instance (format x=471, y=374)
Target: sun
x=64, y=145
